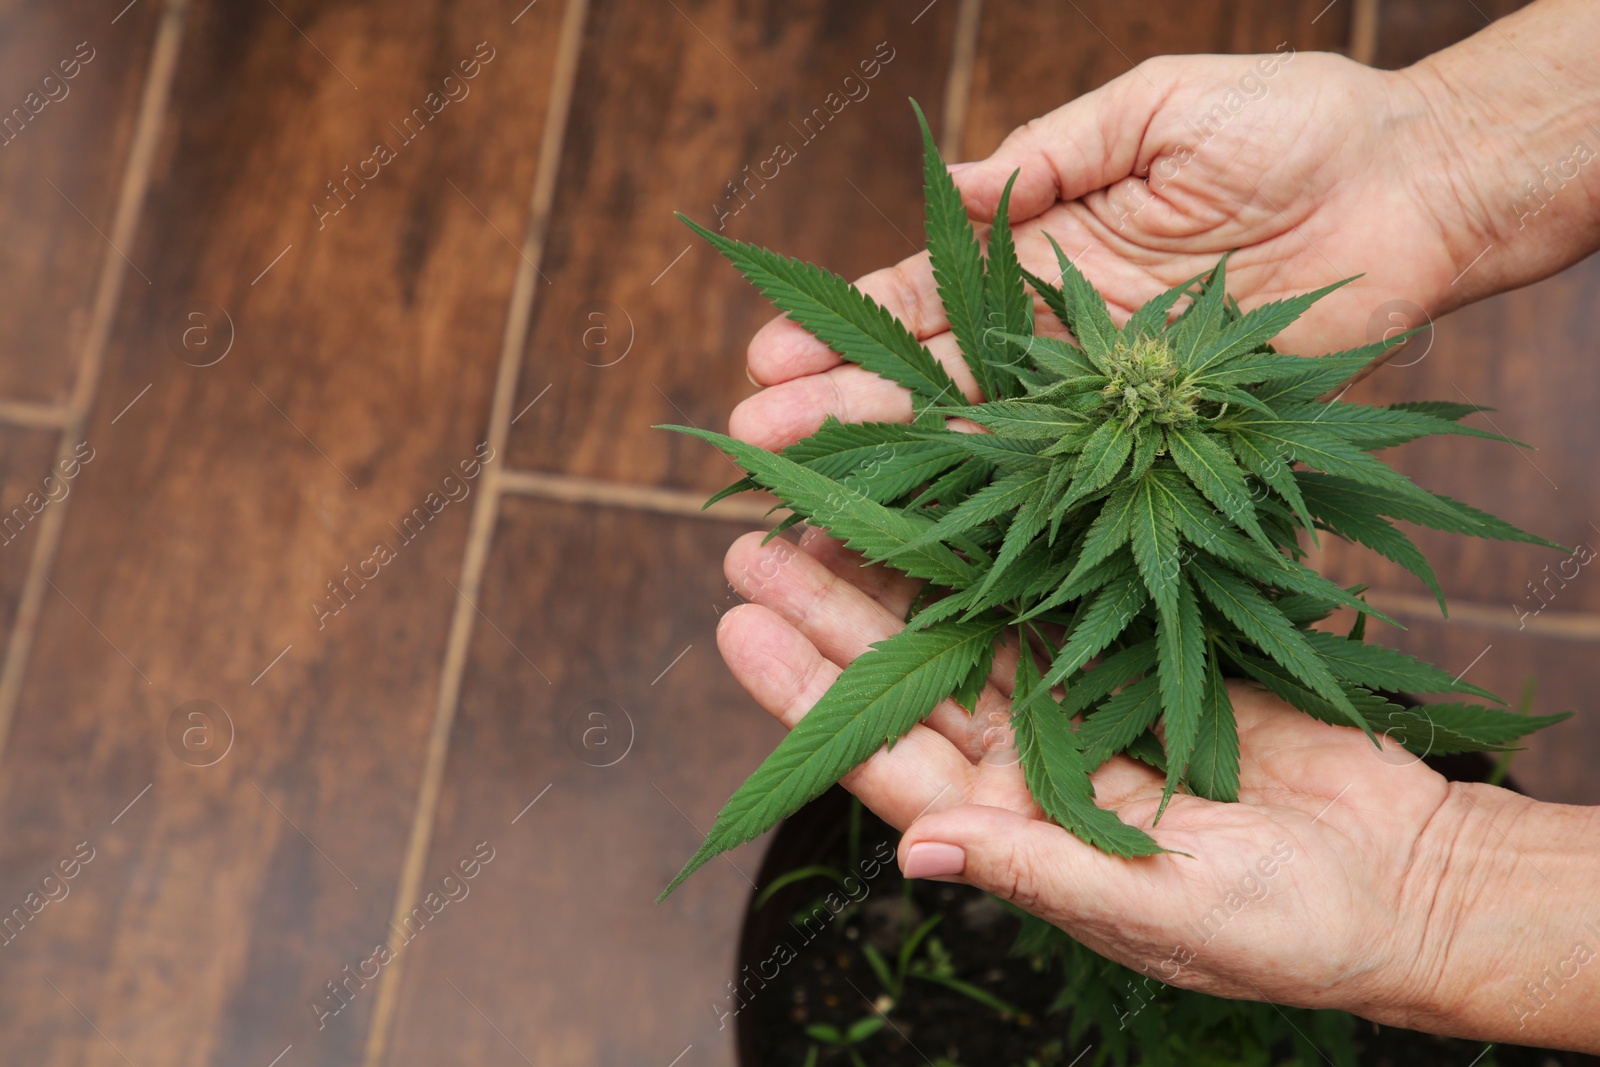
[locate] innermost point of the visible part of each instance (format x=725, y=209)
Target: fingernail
x=752, y=378
x=957, y=168
x=934, y=859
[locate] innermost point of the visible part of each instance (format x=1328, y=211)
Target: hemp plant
x=1132, y=517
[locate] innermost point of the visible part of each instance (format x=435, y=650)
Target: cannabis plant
x=1134, y=515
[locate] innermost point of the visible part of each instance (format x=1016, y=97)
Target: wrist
x=1508, y=163
x=1507, y=945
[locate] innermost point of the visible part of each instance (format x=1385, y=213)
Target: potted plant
x=1132, y=520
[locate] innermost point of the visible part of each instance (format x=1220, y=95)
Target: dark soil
x=829, y=981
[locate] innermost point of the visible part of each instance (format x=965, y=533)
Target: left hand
x=1323, y=887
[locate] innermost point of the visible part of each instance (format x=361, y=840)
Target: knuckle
x=1016, y=879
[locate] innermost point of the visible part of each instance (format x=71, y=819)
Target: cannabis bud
x=1139, y=498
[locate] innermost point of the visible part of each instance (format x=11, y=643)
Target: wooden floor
x=370, y=611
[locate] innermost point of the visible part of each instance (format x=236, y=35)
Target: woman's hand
x=1348, y=876
x=1312, y=167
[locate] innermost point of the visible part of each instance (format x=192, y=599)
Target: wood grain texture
x=73, y=134
x=639, y=734
x=1528, y=355
x=26, y=458
x=1032, y=58
x=222, y=502
x=1410, y=29
x=628, y=334
x=1557, y=764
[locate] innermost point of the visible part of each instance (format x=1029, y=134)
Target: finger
x=1035, y=865
x=786, y=675
x=780, y=415
x=1083, y=145
x=893, y=590
x=840, y=620
x=782, y=349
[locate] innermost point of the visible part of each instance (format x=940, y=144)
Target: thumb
x=1082, y=146
x=1035, y=865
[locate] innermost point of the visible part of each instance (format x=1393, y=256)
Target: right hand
x=1319, y=170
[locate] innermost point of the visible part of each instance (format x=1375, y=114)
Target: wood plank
x=1526, y=354
x=28, y=487
x=1557, y=764
x=628, y=334
x=73, y=133
x=225, y=498
x=1410, y=29
x=1033, y=58
x=638, y=734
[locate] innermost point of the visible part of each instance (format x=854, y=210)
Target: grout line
x=1363, y=46
x=958, y=80
x=485, y=509
x=1569, y=625
x=107, y=294
x=575, y=490
x=33, y=415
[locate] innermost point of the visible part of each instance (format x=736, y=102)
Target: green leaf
x=1180, y=641
x=1071, y=366
x=1155, y=543
x=1050, y=294
x=1027, y=419
x=1117, y=669
x=1112, y=569
x=1200, y=321
x=1151, y=319
x=956, y=258
x=864, y=1028
x=1310, y=378
x=885, y=460
x=1007, y=306
x=1200, y=525
x=1276, y=472
x=1440, y=409
x=1058, y=775
x=863, y=524
x=1214, y=768
x=1086, y=313
x=1369, y=428
x=1256, y=327
x=877, y=699
x=1146, y=748
x=1007, y=453
x=1119, y=720
x=998, y=498
x=1146, y=447
x=1433, y=510
x=1112, y=609
x=1109, y=532
x=840, y=316
x=1028, y=524
x=1486, y=728
x=972, y=686
x=1104, y=453
x=1219, y=479
x=1351, y=518
x=1269, y=631
x=1376, y=667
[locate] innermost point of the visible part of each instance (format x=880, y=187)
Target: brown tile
x=664, y=119
x=29, y=486
x=75, y=135
x=219, y=505
x=1527, y=354
x=1410, y=29
x=1034, y=58
x=1557, y=764
x=639, y=734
